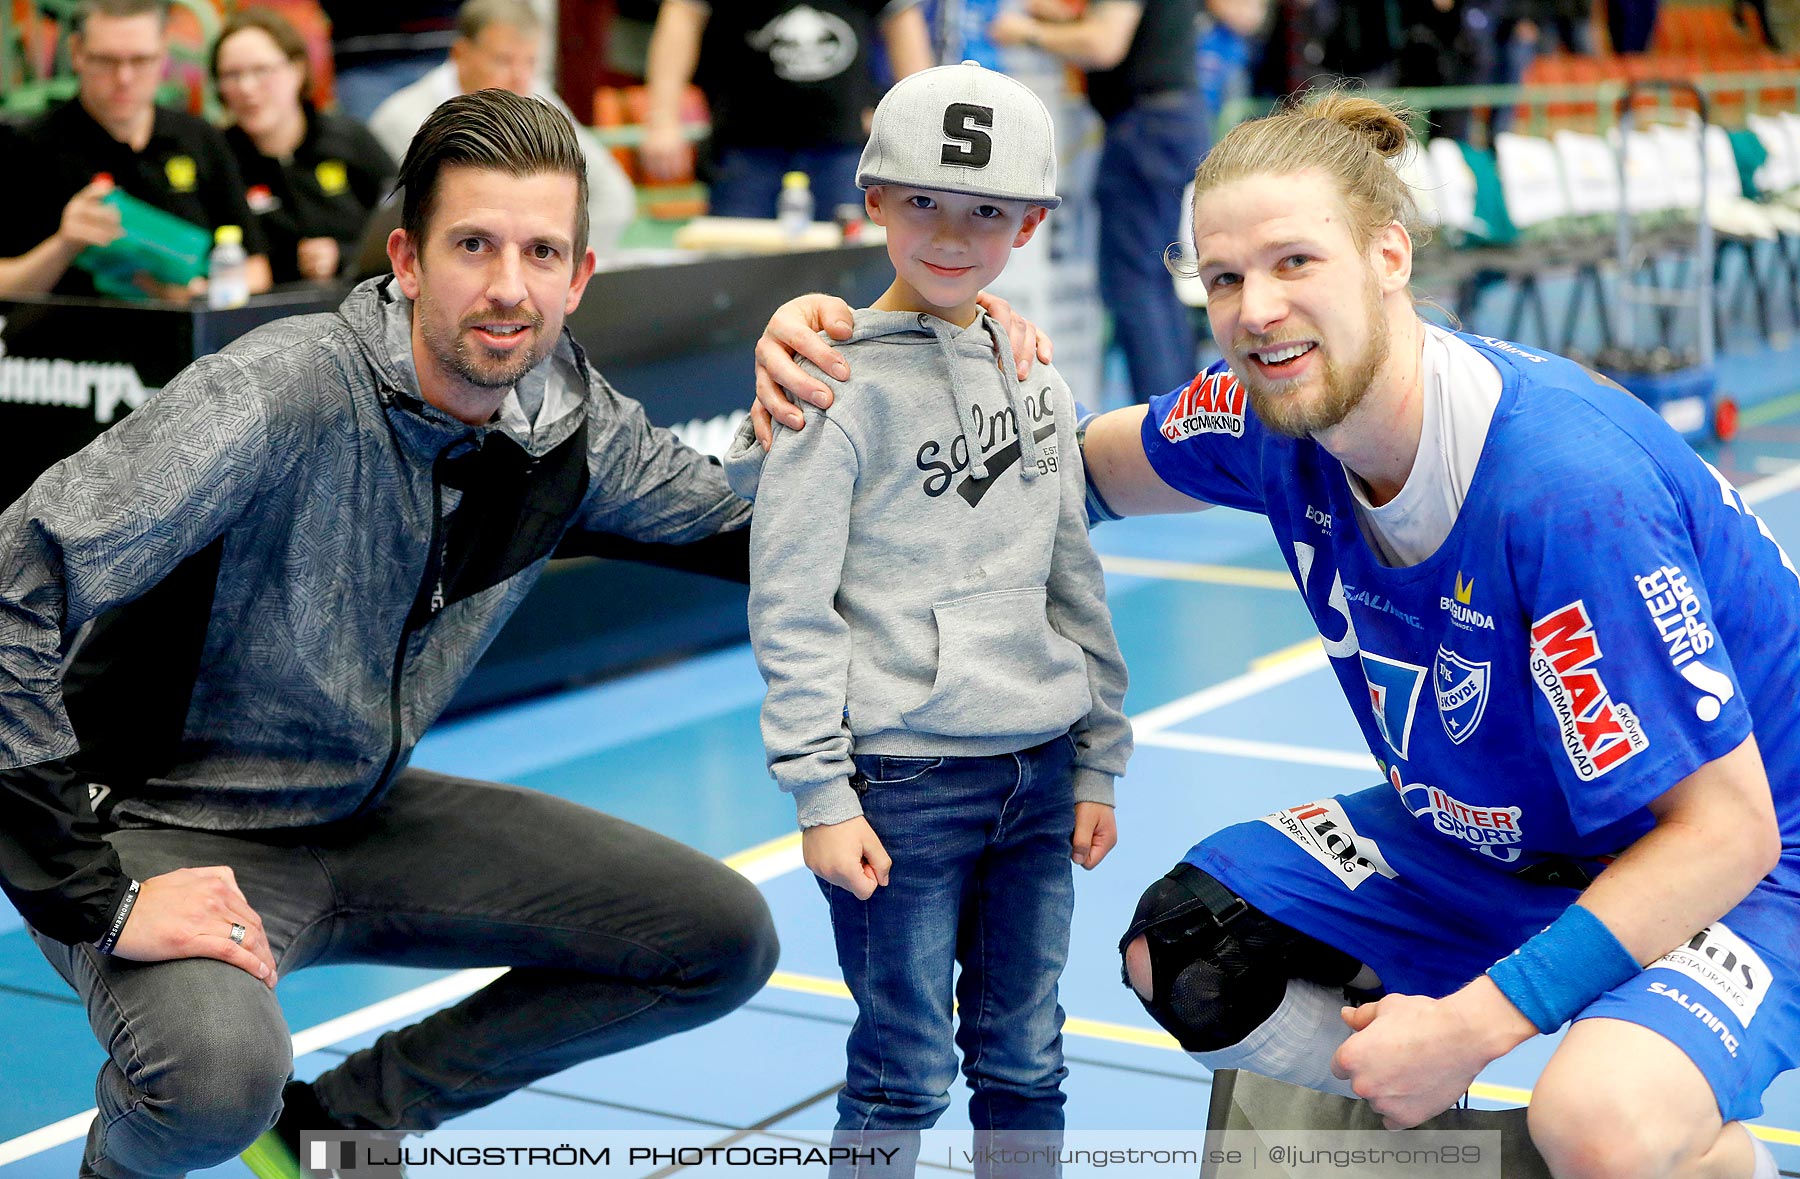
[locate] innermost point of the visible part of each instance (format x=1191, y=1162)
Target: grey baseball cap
x=963, y=129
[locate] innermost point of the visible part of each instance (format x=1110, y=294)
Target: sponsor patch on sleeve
x=1323, y=831
x=1212, y=404
x=1681, y=624
x=1597, y=732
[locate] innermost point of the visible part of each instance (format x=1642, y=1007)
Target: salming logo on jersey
x=1597, y=731
x=1511, y=349
x=1213, y=404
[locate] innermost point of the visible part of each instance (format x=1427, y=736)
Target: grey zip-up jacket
x=295, y=562
x=921, y=582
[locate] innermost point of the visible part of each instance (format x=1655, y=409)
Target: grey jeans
x=615, y=935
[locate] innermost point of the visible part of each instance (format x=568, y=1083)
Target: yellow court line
x=1189, y=571
x=1299, y=650
x=1093, y=1029
x=1774, y=1134
x=1505, y=1093
x=808, y=984
x=747, y=859
x=1119, y=1033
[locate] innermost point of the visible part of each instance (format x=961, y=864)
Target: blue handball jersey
x=1606, y=615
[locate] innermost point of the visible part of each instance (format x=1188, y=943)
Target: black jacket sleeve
x=54, y=866
x=725, y=555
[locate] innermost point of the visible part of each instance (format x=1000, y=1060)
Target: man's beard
x=1282, y=407
x=464, y=356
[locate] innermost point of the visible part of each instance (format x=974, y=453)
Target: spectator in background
x=1437, y=49
x=166, y=158
x=498, y=46
x=87, y=220
x=1361, y=38
x=1630, y=23
x=311, y=178
x=1139, y=57
x=1230, y=40
x=1524, y=29
x=377, y=49
x=790, y=89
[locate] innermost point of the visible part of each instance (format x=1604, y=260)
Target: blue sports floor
x=1235, y=717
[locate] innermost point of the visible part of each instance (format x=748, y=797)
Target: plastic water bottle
x=227, y=269
x=794, y=207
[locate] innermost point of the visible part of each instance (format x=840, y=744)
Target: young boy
x=944, y=685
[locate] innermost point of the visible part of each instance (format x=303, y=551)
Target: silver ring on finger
x=237, y=933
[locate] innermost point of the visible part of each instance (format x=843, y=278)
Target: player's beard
x=461, y=354
x=1284, y=406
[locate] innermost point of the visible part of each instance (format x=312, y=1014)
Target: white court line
x=1262, y=750
x=780, y=856
x=1231, y=691
x=1275, y=579
x=1771, y=486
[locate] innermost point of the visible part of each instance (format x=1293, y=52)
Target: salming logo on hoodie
x=997, y=435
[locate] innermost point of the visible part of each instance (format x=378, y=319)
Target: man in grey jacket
x=291, y=557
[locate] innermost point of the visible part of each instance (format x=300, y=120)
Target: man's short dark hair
x=493, y=129
x=120, y=9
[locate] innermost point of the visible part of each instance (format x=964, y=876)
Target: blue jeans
x=615, y=935
x=746, y=180
x=981, y=877
x=1150, y=155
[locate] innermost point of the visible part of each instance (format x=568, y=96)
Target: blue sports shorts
x=1358, y=872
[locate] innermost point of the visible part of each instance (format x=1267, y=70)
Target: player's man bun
x=1383, y=126
x=1347, y=136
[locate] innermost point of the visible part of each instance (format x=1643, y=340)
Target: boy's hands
x=847, y=854
x=1096, y=833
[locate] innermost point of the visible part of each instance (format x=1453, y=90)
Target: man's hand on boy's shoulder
x=793, y=331
x=1096, y=833
x=847, y=854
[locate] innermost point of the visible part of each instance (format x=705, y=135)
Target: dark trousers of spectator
x=1150, y=155
x=615, y=937
x=746, y=180
x=1630, y=24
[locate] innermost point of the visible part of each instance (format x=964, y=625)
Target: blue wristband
x=1560, y=971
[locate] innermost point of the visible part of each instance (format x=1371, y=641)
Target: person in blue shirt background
x=1230, y=42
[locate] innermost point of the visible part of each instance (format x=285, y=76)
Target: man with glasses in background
x=166, y=158
x=499, y=44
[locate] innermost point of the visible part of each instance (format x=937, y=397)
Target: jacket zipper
x=431, y=583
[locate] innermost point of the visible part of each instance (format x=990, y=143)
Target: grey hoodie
x=900, y=602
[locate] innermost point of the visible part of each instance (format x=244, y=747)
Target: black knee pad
x=1218, y=966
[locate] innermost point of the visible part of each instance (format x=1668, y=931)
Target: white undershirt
x=1461, y=391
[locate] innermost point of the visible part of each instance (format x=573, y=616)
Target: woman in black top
x=311, y=178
